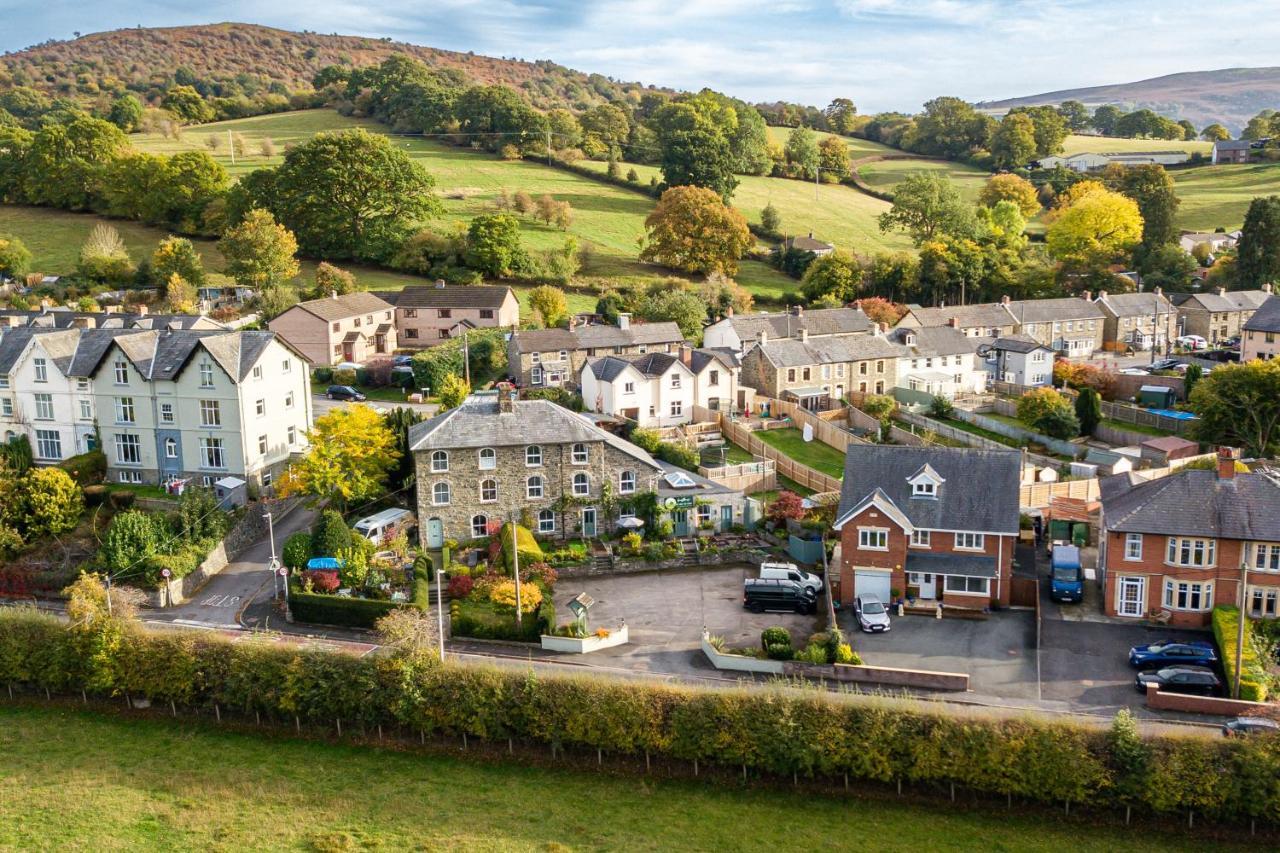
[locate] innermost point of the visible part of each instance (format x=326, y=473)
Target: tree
x=1239, y=405
x=1095, y=230
x=786, y=506
x=259, y=251
x=1151, y=187
x=330, y=535
x=187, y=105
x=691, y=229
x=1088, y=410
x=1258, y=252
x=296, y=550
x=352, y=451
x=180, y=295
x=131, y=537
x=15, y=259
x=842, y=116
x=833, y=157
x=1215, y=133
x=802, y=151
x=952, y=128
x=177, y=256
x=1260, y=126
x=1010, y=187
x=63, y=165
x=1188, y=129
x=125, y=113
x=270, y=302
x=895, y=276
x=880, y=310
x=452, y=391
x=836, y=275
x=549, y=304
x=880, y=406
x=1046, y=410
x=103, y=257
x=331, y=280
x=672, y=303
x=1014, y=143
x=351, y=194
x=493, y=244
x=1105, y=118
x=927, y=205
x=1189, y=379
x=1076, y=115
x=694, y=152
x=53, y=502
x=770, y=221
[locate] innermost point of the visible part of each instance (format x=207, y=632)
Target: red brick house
x=1181, y=544
x=939, y=523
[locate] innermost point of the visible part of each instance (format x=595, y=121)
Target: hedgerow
x=766, y=730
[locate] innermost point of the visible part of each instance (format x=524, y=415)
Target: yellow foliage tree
x=1097, y=228
x=692, y=230
x=352, y=453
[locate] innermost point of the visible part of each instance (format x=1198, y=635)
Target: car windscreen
x=872, y=607
x=1066, y=575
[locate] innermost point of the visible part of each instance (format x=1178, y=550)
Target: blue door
x=726, y=518
x=588, y=522
x=435, y=533
x=680, y=518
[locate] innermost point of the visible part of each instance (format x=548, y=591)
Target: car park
x=344, y=392
x=787, y=596
x=791, y=572
x=1245, y=726
x=1170, y=652
x=1197, y=680
x=870, y=613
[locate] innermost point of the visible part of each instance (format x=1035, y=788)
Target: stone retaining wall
x=637, y=565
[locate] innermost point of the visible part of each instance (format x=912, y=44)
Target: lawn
x=75, y=780
x=815, y=454
x=965, y=426
x=1080, y=143
x=884, y=175
x=385, y=394
x=1218, y=196
x=1142, y=428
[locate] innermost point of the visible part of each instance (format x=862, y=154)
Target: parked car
x=344, y=392
x=1135, y=371
x=1165, y=364
x=1241, y=726
x=761, y=594
x=384, y=526
x=1192, y=342
x=871, y=614
x=348, y=365
x=1173, y=652
x=402, y=361
x=791, y=572
x=1232, y=342
x=1198, y=680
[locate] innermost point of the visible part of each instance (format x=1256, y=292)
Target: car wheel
x=755, y=607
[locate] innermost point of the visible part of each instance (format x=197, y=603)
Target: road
x=220, y=602
x=322, y=405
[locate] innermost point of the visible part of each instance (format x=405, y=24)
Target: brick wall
x=1205, y=704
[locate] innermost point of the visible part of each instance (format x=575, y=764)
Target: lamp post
x=440, y=608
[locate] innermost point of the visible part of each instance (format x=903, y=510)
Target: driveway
x=667, y=610
x=219, y=603
x=998, y=653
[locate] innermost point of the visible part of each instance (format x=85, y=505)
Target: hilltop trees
x=1215, y=133
x=1258, y=253
x=842, y=116
x=692, y=230
x=952, y=128
x=1014, y=142
x=125, y=113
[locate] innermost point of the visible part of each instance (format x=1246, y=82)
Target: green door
x=680, y=518
x=726, y=518
x=589, y=522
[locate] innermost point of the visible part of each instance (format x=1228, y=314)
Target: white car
x=1192, y=342
x=871, y=613
x=790, y=572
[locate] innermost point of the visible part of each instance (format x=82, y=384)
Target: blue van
x=1065, y=575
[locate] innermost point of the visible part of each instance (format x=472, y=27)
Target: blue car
x=1173, y=652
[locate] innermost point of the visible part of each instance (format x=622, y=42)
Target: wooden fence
x=740, y=435
x=1039, y=494
x=824, y=430
x=1133, y=415
x=747, y=477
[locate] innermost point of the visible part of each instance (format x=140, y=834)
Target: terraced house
x=1177, y=546
x=1261, y=337
x=551, y=358
x=425, y=316
x=741, y=332
x=660, y=390
x=1220, y=314
x=1137, y=321
x=167, y=404
x=818, y=372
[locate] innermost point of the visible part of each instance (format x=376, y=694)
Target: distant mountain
x=1231, y=96
x=246, y=57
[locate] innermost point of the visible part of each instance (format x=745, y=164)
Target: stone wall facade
x=488, y=496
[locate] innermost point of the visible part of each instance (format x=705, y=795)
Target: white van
x=384, y=526
x=790, y=572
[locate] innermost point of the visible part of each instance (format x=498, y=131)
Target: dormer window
x=925, y=483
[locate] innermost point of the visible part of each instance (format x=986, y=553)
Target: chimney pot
x=729, y=311
x=1221, y=291
x=333, y=294
x=1157, y=290
x=1102, y=294
x=804, y=334
x=764, y=337
x=953, y=322
x=686, y=355
x=1266, y=288
x=1087, y=295
x=1005, y=300
x=1227, y=457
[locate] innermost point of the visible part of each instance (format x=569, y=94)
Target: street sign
x=283, y=572
x=164, y=573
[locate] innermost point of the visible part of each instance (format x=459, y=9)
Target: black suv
x=344, y=392
x=761, y=594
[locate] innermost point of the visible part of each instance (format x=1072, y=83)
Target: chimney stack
x=1266, y=288
x=1227, y=457
x=729, y=312
x=1221, y=291
x=333, y=294
x=1086, y=295
x=1005, y=300
x=1102, y=294
x=804, y=334
x=798, y=310
x=624, y=321
x=764, y=337
x=686, y=355
x=506, y=398
x=953, y=322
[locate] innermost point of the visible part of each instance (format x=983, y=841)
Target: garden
x=484, y=597
x=776, y=643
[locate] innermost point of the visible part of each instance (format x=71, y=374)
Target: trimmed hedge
x=337, y=610
x=1226, y=628
x=774, y=730
x=87, y=469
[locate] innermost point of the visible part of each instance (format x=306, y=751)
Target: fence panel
x=1040, y=494
x=785, y=465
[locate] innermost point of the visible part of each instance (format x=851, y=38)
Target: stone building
x=551, y=358
x=818, y=372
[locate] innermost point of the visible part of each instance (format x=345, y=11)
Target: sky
x=884, y=54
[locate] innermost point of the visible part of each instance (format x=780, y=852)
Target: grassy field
x=607, y=220
x=884, y=175
x=1218, y=196
x=1079, y=143
x=857, y=147
x=815, y=454
x=73, y=780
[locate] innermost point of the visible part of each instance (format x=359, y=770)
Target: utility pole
x=1244, y=594
x=548, y=147
x=466, y=358
x=231, y=144
x=271, y=536
x=440, y=608
x=515, y=562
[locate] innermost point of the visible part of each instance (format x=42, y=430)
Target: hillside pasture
x=884, y=175
x=1218, y=196
x=1079, y=143
x=857, y=147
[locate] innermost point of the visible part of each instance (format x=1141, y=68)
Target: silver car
x=872, y=615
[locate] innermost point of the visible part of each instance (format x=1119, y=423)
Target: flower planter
x=583, y=645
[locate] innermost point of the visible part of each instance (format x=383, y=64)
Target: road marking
x=221, y=601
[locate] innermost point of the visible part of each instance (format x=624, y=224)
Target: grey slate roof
x=808, y=244
x=12, y=343
x=988, y=315
x=1233, y=144
x=785, y=324
x=1053, y=310
x=933, y=340
x=980, y=492
x=347, y=305
x=1266, y=318
x=449, y=296
x=543, y=340
x=1136, y=304
x=1013, y=343
x=1194, y=503
x=60, y=318
x=596, y=337
x=1231, y=300
x=714, y=357
x=793, y=352
x=478, y=423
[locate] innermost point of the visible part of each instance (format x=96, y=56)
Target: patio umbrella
x=631, y=523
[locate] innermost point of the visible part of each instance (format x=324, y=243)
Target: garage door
x=871, y=582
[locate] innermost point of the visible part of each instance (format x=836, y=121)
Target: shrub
x=646, y=439
x=679, y=455
x=86, y=469
x=941, y=407
x=322, y=375
x=460, y=586
x=323, y=581
x=776, y=642
x=345, y=376
x=330, y=535
x=812, y=653
x=297, y=550
x=846, y=654
x=1253, y=679
x=336, y=610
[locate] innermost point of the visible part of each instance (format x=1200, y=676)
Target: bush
x=1253, y=680
x=486, y=621
x=322, y=375
x=87, y=469
x=297, y=550
x=336, y=610
x=323, y=581
x=345, y=376
x=812, y=653
x=941, y=407
x=679, y=455
x=330, y=535
x=421, y=591
x=460, y=586
x=646, y=439
x=776, y=642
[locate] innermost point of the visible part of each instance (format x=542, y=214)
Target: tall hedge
x=1226, y=628
x=772, y=730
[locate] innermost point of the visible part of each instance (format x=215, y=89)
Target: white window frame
x=969, y=585
x=128, y=448
x=581, y=485
x=439, y=461
x=44, y=407
x=213, y=454
x=971, y=542
x=1191, y=552
x=533, y=456
x=1199, y=593
x=626, y=482
x=628, y=388
x=924, y=488
x=873, y=539
x=480, y=523
x=488, y=490
x=534, y=488
x=677, y=408
x=170, y=448
x=1266, y=557
x=166, y=413
x=41, y=367
x=206, y=375
x=487, y=455
x=546, y=521
x=210, y=413
x=260, y=408
x=1133, y=546
x=48, y=444
x=439, y=491
x=263, y=445
x=580, y=455
x=125, y=411
x=920, y=539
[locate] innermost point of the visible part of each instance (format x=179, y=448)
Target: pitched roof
x=341, y=307
x=1167, y=443
x=12, y=344
x=1266, y=318
x=1195, y=503
x=979, y=493
x=1233, y=144
x=1136, y=304
x=1011, y=343
x=1050, y=310
x=1231, y=300
x=793, y=352
x=478, y=423
x=988, y=315
x=808, y=244
x=933, y=340
x=786, y=324
x=62, y=318
x=449, y=296
x=595, y=337
x=703, y=358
